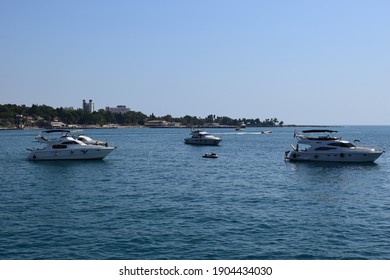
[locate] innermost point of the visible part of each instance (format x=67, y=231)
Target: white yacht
x=199, y=137
x=66, y=147
x=312, y=147
x=241, y=126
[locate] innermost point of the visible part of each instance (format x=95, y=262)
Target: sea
x=156, y=198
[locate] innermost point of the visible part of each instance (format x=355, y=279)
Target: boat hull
x=209, y=142
x=366, y=157
x=70, y=154
x=210, y=155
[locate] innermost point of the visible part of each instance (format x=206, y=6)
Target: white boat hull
x=359, y=157
x=86, y=153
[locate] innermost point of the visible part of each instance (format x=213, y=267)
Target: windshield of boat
x=342, y=144
x=86, y=138
x=71, y=143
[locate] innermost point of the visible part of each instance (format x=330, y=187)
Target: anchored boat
x=319, y=145
x=66, y=147
x=199, y=137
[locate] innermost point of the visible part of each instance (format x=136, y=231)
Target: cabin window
x=59, y=146
x=343, y=145
x=324, y=148
x=70, y=143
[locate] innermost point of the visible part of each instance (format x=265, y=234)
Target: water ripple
x=156, y=198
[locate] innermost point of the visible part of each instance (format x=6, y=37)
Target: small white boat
x=241, y=126
x=329, y=148
x=199, y=137
x=266, y=131
x=66, y=147
x=212, y=155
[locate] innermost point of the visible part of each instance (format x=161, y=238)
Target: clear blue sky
x=303, y=62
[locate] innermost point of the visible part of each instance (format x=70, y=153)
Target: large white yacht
x=199, y=137
x=66, y=147
x=318, y=145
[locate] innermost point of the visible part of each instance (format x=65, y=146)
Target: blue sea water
x=156, y=198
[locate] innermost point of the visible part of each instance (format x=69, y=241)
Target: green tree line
x=44, y=114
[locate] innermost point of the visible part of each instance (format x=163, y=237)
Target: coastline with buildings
x=42, y=116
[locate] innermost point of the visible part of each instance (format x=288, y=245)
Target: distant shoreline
x=185, y=127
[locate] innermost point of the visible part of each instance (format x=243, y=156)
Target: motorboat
x=200, y=137
x=211, y=155
x=321, y=145
x=266, y=131
x=66, y=147
x=241, y=126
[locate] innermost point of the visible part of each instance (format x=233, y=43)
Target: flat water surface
x=156, y=198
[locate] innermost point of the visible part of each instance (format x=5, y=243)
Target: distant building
x=57, y=124
x=211, y=124
x=19, y=121
x=120, y=109
x=156, y=123
x=88, y=107
x=30, y=121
